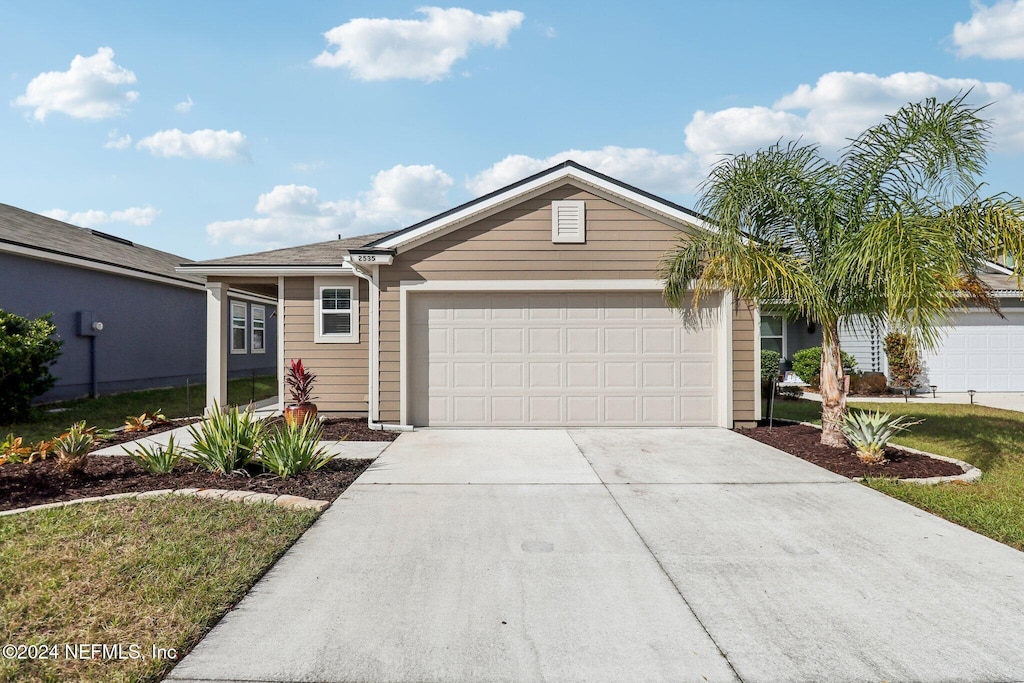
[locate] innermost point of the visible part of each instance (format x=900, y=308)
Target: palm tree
x=889, y=235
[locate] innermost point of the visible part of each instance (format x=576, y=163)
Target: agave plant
x=226, y=441
x=870, y=432
x=294, y=448
x=156, y=459
x=73, y=447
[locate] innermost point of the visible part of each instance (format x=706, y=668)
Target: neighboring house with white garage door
x=979, y=349
x=535, y=305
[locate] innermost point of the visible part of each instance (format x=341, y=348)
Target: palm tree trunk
x=832, y=385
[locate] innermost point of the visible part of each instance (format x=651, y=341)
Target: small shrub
x=156, y=459
x=13, y=450
x=904, y=362
x=225, y=442
x=868, y=383
x=27, y=350
x=146, y=421
x=72, y=448
x=294, y=448
x=770, y=361
x=807, y=364
x=870, y=432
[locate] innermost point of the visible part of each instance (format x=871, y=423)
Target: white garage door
x=980, y=351
x=547, y=359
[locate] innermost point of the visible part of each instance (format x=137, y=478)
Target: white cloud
x=184, y=107
x=92, y=88
x=421, y=49
x=218, y=145
x=295, y=214
x=551, y=32
x=135, y=215
x=992, y=32
x=117, y=141
x=645, y=168
x=841, y=105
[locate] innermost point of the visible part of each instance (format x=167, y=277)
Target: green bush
x=770, y=364
x=904, y=362
x=156, y=459
x=807, y=364
x=294, y=448
x=226, y=441
x=73, y=448
x=27, y=350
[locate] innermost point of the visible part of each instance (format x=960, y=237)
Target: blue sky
x=307, y=120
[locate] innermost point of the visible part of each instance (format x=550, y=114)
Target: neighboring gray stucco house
x=153, y=318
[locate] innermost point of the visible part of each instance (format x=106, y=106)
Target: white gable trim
x=444, y=224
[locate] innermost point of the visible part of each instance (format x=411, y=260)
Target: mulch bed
x=22, y=485
x=117, y=438
x=805, y=442
x=347, y=428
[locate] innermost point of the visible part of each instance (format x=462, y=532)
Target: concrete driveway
x=621, y=555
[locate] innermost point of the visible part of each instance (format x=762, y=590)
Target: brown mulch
x=22, y=485
x=805, y=442
x=117, y=438
x=347, y=428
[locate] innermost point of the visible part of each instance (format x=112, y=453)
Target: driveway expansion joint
x=661, y=566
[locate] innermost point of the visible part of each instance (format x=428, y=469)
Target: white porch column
x=216, y=344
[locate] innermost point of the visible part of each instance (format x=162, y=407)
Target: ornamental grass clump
x=226, y=442
x=291, y=449
x=870, y=433
x=156, y=459
x=73, y=448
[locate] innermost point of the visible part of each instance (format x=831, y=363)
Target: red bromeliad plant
x=300, y=387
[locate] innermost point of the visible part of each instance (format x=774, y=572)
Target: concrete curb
x=971, y=473
x=248, y=497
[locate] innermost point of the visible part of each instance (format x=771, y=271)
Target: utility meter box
x=89, y=324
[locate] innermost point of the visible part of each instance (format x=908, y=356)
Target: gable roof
x=322, y=256
x=567, y=170
x=29, y=234
x=330, y=253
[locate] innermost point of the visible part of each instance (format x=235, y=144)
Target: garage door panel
x=979, y=351
x=586, y=359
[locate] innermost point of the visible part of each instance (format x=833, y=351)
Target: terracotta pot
x=300, y=414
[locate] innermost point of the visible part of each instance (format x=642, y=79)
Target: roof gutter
x=264, y=271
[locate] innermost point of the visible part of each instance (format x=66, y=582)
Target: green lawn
x=110, y=411
x=989, y=438
x=156, y=572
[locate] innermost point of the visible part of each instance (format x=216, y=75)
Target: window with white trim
x=773, y=334
x=259, y=329
x=238, y=327
x=337, y=310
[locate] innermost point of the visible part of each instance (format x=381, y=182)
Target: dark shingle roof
x=319, y=254
x=26, y=229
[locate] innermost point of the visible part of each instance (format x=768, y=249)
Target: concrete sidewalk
x=1003, y=400
x=621, y=555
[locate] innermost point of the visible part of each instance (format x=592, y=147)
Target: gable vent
x=568, y=222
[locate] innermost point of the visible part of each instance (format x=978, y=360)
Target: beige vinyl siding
x=342, y=369
x=515, y=244
x=744, y=387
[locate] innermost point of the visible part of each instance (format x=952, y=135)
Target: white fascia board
x=568, y=173
x=530, y=285
x=99, y=266
x=250, y=296
x=261, y=271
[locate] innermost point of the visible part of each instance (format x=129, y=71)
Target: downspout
x=373, y=280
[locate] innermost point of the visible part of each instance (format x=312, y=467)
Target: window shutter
x=568, y=222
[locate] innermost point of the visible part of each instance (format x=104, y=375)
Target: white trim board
x=256, y=271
